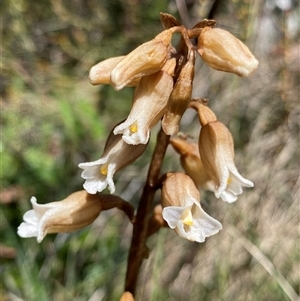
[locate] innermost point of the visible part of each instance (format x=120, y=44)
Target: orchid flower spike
x=74, y=212
x=217, y=155
x=117, y=154
x=182, y=210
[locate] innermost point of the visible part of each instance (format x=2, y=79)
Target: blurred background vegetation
x=52, y=119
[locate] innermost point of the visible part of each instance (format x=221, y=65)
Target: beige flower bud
x=182, y=210
x=100, y=73
x=190, y=161
x=149, y=104
x=146, y=59
x=223, y=51
x=74, y=212
x=217, y=155
x=180, y=96
x=127, y=296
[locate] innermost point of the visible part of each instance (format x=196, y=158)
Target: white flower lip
x=182, y=210
x=232, y=187
x=117, y=154
x=29, y=228
x=34, y=220
x=95, y=180
x=130, y=137
x=200, y=225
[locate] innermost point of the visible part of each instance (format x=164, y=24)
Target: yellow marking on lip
x=187, y=217
x=103, y=169
x=134, y=128
x=228, y=180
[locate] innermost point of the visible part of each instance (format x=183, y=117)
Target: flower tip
x=33, y=200
x=40, y=237
x=170, y=129
x=116, y=80
x=93, y=75
x=251, y=184
x=251, y=66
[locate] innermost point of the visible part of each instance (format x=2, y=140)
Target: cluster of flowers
x=163, y=79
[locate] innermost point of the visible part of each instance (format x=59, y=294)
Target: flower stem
x=140, y=228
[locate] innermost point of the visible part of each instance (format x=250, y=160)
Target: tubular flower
x=191, y=162
x=182, y=210
x=149, y=103
x=100, y=73
x=224, y=52
x=74, y=212
x=217, y=154
x=180, y=96
x=117, y=154
x=146, y=59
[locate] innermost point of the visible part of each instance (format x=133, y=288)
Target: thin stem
x=140, y=228
x=110, y=201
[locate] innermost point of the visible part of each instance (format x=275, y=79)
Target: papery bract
x=217, y=155
x=182, y=210
x=180, y=96
x=117, y=154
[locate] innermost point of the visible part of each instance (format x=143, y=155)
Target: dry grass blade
x=265, y=262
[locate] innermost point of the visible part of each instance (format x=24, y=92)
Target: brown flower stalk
x=140, y=226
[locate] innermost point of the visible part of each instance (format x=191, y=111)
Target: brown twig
x=140, y=228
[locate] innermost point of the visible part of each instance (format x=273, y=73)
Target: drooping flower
x=146, y=59
x=74, y=212
x=116, y=155
x=223, y=51
x=182, y=210
x=217, y=154
x=149, y=104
